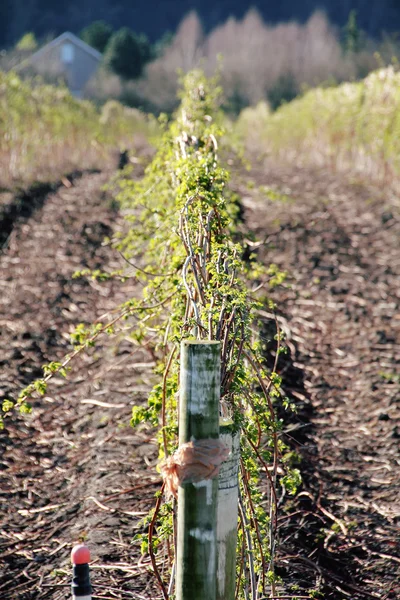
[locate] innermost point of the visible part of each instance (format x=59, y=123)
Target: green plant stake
x=197, y=502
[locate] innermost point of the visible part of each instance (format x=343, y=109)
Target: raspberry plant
x=183, y=239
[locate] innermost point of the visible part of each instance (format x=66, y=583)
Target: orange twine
x=193, y=462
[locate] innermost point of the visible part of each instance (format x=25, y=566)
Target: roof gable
x=67, y=36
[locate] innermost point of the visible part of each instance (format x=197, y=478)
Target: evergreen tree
x=352, y=34
x=27, y=43
x=127, y=53
x=97, y=35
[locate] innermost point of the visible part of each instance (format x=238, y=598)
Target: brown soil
x=339, y=241
x=76, y=466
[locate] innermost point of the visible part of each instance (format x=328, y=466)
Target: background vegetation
x=45, y=132
x=355, y=126
x=44, y=16
x=257, y=61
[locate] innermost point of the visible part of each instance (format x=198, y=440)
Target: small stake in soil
x=80, y=558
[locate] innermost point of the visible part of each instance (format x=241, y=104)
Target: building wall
x=74, y=68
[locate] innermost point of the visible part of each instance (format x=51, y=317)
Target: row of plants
x=352, y=126
x=45, y=132
x=184, y=248
x=183, y=226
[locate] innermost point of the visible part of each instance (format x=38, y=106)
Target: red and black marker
x=80, y=558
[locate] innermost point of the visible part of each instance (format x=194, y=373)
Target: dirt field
x=340, y=243
x=76, y=466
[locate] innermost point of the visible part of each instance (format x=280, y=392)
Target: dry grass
x=45, y=132
x=355, y=126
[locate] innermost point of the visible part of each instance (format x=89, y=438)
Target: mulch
x=76, y=468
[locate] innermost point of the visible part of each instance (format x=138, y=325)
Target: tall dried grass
x=45, y=132
x=354, y=126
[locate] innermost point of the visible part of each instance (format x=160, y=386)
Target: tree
x=127, y=53
x=284, y=90
x=352, y=34
x=163, y=43
x=27, y=43
x=188, y=41
x=97, y=35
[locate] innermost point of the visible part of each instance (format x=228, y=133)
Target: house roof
x=67, y=36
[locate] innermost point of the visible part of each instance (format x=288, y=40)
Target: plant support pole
x=196, y=573
x=227, y=521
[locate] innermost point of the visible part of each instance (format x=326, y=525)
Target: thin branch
x=255, y=523
x=164, y=401
x=278, y=344
x=250, y=552
x=150, y=539
x=142, y=270
x=243, y=562
x=268, y=474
